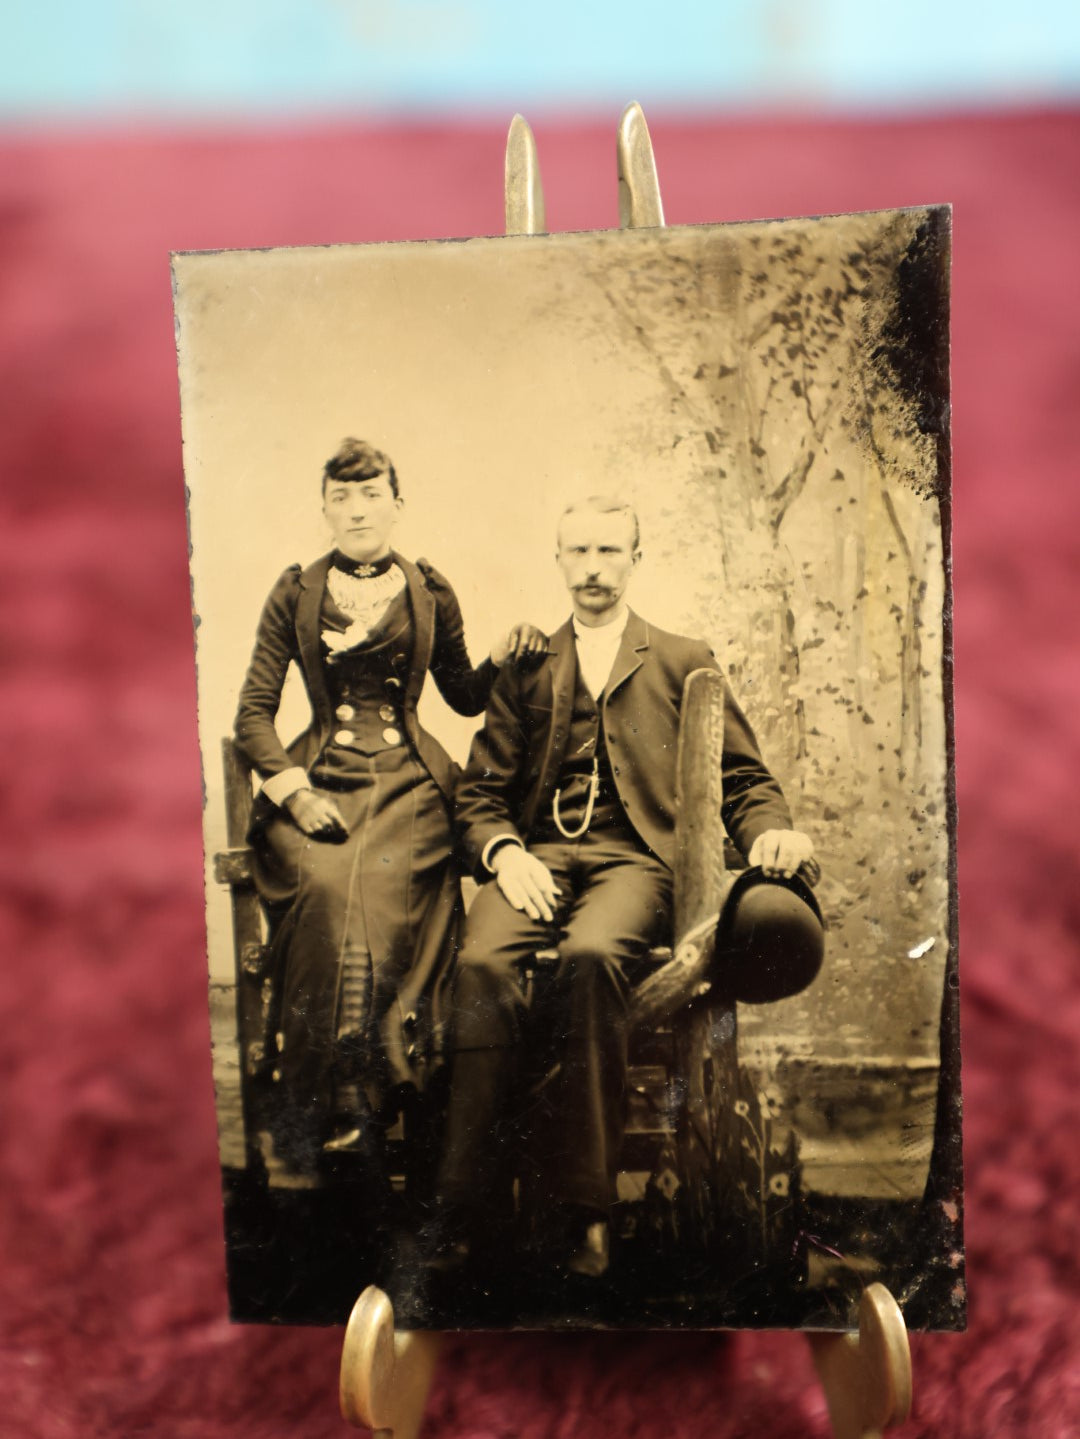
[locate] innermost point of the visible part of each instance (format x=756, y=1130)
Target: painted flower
x=742, y=1109
x=780, y=1185
x=667, y=1182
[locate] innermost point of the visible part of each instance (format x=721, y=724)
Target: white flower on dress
x=339, y=641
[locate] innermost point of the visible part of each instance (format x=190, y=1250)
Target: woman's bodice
x=366, y=685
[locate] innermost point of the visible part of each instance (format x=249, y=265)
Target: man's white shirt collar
x=597, y=646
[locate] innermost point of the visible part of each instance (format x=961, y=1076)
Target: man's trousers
x=614, y=902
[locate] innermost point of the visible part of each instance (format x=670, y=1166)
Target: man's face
x=597, y=557
x=361, y=515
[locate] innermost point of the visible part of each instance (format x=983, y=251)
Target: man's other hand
x=316, y=815
x=523, y=646
x=526, y=882
x=780, y=852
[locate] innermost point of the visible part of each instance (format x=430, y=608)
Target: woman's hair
x=357, y=460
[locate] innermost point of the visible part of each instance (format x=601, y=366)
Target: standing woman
x=351, y=829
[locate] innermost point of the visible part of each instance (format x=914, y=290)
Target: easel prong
x=640, y=207
x=523, y=190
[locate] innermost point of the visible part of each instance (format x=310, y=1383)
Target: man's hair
x=356, y=460
x=605, y=505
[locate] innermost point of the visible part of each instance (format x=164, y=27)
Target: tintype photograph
x=572, y=632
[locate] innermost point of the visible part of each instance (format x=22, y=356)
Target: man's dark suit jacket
x=289, y=630
x=514, y=763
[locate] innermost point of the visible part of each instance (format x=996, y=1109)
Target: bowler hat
x=770, y=939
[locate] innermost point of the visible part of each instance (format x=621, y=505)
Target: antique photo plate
x=771, y=400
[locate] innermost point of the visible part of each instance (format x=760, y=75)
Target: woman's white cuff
x=279, y=787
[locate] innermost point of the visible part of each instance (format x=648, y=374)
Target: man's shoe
x=592, y=1256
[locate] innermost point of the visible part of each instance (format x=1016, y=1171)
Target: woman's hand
x=524, y=647
x=317, y=815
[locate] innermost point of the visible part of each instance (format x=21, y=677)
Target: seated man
x=568, y=805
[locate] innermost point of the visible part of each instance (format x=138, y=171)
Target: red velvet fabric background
x=111, y=1286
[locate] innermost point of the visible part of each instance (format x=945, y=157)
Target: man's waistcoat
x=586, y=752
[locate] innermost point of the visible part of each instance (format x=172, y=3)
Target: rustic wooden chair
x=254, y=986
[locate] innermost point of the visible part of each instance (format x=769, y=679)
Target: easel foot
x=385, y=1376
x=866, y=1376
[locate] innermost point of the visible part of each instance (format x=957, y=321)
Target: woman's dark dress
x=362, y=932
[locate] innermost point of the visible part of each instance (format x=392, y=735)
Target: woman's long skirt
x=362, y=937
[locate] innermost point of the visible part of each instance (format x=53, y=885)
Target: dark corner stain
x=914, y=348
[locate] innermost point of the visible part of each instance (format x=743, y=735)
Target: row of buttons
x=391, y=735
x=386, y=713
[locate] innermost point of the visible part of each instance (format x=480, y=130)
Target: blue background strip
x=397, y=57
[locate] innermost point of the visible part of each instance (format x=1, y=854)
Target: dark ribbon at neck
x=358, y=568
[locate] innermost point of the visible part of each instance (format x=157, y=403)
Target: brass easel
x=386, y=1374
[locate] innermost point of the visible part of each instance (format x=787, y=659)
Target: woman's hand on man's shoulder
x=524, y=647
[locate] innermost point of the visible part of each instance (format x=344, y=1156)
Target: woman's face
x=361, y=515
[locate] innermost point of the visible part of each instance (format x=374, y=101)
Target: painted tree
x=767, y=346
x=801, y=421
